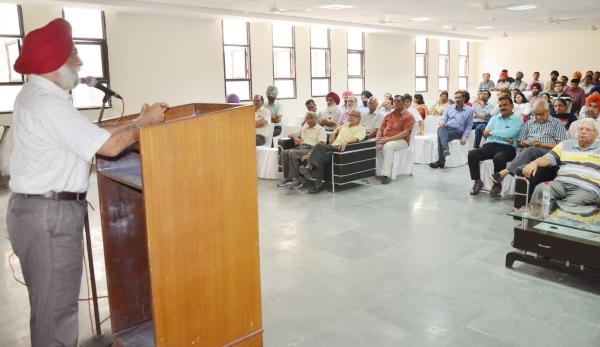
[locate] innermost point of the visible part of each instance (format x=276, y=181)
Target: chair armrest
x=286, y=143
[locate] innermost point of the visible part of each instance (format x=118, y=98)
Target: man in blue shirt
x=456, y=123
x=501, y=133
x=482, y=113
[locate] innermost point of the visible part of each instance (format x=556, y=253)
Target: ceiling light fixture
x=335, y=7
x=421, y=19
x=483, y=27
x=522, y=7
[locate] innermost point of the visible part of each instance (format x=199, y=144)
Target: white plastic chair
x=404, y=160
x=486, y=169
x=424, y=147
x=267, y=160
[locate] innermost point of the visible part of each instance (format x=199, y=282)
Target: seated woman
x=522, y=106
x=548, y=98
x=419, y=105
x=560, y=106
x=439, y=107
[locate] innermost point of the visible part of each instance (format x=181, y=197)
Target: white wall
x=566, y=53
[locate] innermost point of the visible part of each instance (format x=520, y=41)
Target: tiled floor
x=416, y=263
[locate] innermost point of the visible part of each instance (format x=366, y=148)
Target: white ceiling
x=457, y=18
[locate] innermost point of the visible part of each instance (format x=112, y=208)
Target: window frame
x=446, y=74
x=327, y=64
x=292, y=62
x=361, y=52
x=19, y=39
x=248, y=62
x=466, y=76
x=103, y=43
x=425, y=65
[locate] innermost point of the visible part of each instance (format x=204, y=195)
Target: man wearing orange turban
x=592, y=105
x=49, y=168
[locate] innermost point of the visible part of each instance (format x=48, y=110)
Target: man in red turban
x=49, y=177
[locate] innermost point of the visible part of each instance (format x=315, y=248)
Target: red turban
x=593, y=98
x=536, y=85
x=45, y=49
x=334, y=96
x=504, y=75
x=346, y=94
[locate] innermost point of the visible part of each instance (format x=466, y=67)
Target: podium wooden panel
x=180, y=228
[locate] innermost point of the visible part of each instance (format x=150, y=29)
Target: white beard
x=69, y=78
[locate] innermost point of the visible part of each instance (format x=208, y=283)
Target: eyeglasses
x=539, y=113
x=398, y=100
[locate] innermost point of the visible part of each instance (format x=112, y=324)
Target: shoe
x=446, y=152
x=476, y=187
x=437, y=165
x=317, y=188
x=496, y=190
x=385, y=180
x=297, y=184
x=496, y=177
x=285, y=182
x=305, y=172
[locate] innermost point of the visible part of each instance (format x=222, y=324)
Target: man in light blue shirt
x=501, y=133
x=482, y=113
x=456, y=123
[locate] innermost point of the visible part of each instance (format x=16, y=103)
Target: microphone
x=93, y=82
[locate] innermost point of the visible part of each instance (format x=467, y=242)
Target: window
x=356, y=61
x=320, y=62
x=11, y=37
x=463, y=65
x=89, y=36
x=421, y=64
x=236, y=56
x=444, y=64
x=284, y=60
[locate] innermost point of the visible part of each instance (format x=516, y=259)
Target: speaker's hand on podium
x=152, y=114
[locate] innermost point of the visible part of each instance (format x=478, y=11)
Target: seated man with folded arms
x=457, y=122
x=393, y=135
x=308, y=137
x=538, y=136
x=482, y=112
x=311, y=106
x=262, y=118
x=332, y=113
x=371, y=119
x=578, y=160
x=320, y=156
x=592, y=105
x=501, y=133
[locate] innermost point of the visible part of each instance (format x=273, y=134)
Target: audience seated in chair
x=320, y=155
x=501, y=133
x=262, y=118
x=538, y=136
x=311, y=106
x=456, y=123
x=308, y=137
x=332, y=113
x=592, y=105
x=394, y=135
x=578, y=179
x=364, y=98
x=482, y=112
x=560, y=107
x=438, y=108
x=408, y=105
x=371, y=119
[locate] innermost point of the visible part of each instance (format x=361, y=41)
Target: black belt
x=58, y=195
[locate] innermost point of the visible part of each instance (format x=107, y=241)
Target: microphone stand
x=99, y=339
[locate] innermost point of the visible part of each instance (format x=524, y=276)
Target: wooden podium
x=180, y=227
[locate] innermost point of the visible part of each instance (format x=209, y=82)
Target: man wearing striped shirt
x=538, y=136
x=578, y=179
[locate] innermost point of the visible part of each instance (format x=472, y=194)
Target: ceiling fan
x=552, y=20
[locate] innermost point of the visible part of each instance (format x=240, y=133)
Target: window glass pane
x=443, y=83
x=462, y=83
x=463, y=47
x=91, y=56
x=9, y=20
x=9, y=52
x=320, y=87
x=286, y=88
x=241, y=88
x=7, y=97
x=420, y=65
x=235, y=62
x=421, y=84
x=84, y=96
x=443, y=65
x=463, y=66
x=319, y=63
x=443, y=46
x=283, y=35
x=355, y=40
x=355, y=85
x=319, y=37
x=355, y=64
x=235, y=32
x=421, y=45
x=86, y=23
x=282, y=62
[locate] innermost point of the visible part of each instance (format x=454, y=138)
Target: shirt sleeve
x=321, y=135
x=560, y=134
x=468, y=125
x=524, y=132
x=554, y=155
x=409, y=124
x=445, y=115
x=361, y=133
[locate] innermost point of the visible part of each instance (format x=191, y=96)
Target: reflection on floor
x=418, y=262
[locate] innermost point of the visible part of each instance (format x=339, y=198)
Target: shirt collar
x=48, y=85
x=593, y=146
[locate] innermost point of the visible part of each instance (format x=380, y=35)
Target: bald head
x=541, y=111
x=354, y=117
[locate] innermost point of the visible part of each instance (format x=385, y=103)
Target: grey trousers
x=571, y=194
x=47, y=235
x=290, y=160
x=525, y=157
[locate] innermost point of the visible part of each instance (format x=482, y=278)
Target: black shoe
x=317, y=189
x=496, y=190
x=305, y=172
x=476, y=187
x=285, y=182
x=297, y=184
x=496, y=178
x=437, y=165
x=385, y=180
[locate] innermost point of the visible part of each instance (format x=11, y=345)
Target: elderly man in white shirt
x=592, y=104
x=262, y=119
x=371, y=119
